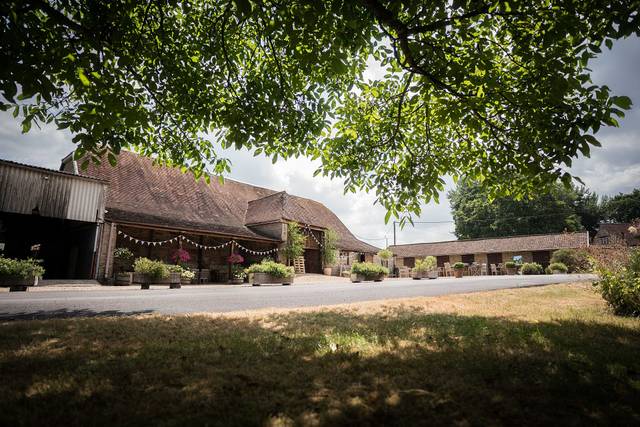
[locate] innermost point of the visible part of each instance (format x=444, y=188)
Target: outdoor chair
x=494, y=270
x=483, y=269
x=501, y=268
x=203, y=275
x=404, y=272
x=448, y=271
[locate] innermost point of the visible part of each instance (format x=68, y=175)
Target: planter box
x=236, y=281
x=357, y=278
x=18, y=283
x=173, y=280
x=431, y=274
x=257, y=279
x=511, y=271
x=458, y=273
x=124, y=279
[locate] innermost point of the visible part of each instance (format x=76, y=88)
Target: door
x=312, y=261
x=442, y=259
x=495, y=258
x=409, y=262
x=542, y=258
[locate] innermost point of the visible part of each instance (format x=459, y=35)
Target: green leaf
x=113, y=160
x=623, y=102
x=83, y=78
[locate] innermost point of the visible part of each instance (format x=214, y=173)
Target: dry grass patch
x=548, y=355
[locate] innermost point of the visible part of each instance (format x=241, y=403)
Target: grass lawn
x=546, y=355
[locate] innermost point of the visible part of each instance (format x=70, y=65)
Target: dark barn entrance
x=65, y=246
x=312, y=261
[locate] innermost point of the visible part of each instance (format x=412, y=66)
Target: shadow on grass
x=403, y=367
x=67, y=314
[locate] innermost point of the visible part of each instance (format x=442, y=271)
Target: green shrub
x=621, y=288
x=271, y=267
x=23, y=268
x=458, y=265
x=557, y=267
x=531, y=268
x=154, y=269
x=368, y=269
x=427, y=264
x=385, y=254
x=510, y=264
x=576, y=261
x=294, y=247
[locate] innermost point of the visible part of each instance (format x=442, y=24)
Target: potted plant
x=187, y=276
x=147, y=272
x=270, y=272
x=329, y=251
x=122, y=265
x=511, y=267
x=180, y=257
x=458, y=270
x=366, y=271
x=237, y=272
x=18, y=274
x=426, y=268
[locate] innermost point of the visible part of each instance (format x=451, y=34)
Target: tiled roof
x=616, y=231
x=539, y=242
x=141, y=192
x=285, y=207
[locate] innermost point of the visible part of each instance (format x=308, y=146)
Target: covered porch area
x=206, y=254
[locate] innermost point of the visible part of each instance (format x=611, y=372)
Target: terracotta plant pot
x=328, y=271
x=458, y=273
x=257, y=279
x=511, y=271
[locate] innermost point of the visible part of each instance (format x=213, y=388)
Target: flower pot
x=257, y=279
x=146, y=280
x=185, y=281
x=511, y=270
x=432, y=274
x=123, y=279
x=357, y=278
x=458, y=273
x=236, y=280
x=328, y=271
x=18, y=283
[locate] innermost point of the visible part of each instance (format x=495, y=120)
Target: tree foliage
x=499, y=91
x=560, y=209
x=623, y=207
x=294, y=246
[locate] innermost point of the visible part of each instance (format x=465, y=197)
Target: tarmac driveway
x=116, y=301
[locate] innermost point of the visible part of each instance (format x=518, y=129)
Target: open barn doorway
x=65, y=246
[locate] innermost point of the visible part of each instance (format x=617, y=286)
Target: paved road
x=221, y=298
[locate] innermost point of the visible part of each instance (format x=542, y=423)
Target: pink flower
x=235, y=259
x=180, y=255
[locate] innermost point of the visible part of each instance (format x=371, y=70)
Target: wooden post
x=149, y=246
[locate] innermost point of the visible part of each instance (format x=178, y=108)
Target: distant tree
x=559, y=209
x=623, y=207
x=497, y=90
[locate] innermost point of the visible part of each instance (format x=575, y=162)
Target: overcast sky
x=612, y=169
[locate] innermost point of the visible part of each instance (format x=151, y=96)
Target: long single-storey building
x=616, y=234
x=154, y=210
x=532, y=248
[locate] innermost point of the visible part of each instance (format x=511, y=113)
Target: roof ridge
x=493, y=238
